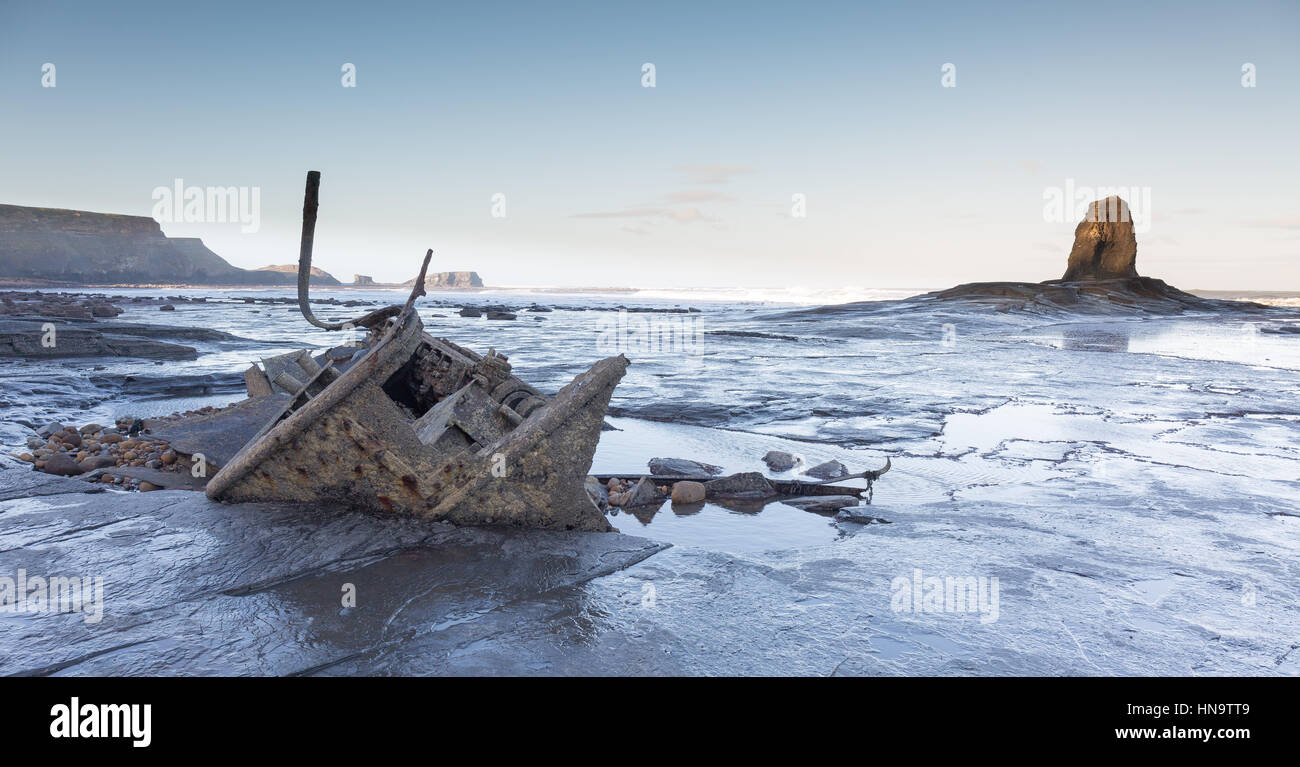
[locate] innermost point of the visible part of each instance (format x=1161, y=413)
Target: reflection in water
x=735, y=526
x=1114, y=338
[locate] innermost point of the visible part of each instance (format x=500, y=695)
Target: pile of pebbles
x=70, y=451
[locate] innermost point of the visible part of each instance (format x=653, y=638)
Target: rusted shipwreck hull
x=491, y=451
x=419, y=425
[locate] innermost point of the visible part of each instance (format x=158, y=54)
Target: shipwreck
x=406, y=423
x=419, y=425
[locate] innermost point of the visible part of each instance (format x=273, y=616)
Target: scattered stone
x=749, y=484
x=777, y=460
x=643, y=493
x=830, y=470
x=69, y=437
x=111, y=438
x=688, y=491
x=146, y=486
x=859, y=514
x=470, y=311
x=62, y=465
x=90, y=428
x=166, y=308
x=495, y=315
x=598, y=493
x=821, y=503
x=683, y=467
x=91, y=463
x=49, y=429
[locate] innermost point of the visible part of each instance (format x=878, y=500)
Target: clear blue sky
x=908, y=184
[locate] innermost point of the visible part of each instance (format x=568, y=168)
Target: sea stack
x=1105, y=247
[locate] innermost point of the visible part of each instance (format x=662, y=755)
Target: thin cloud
x=697, y=195
x=713, y=173
x=1281, y=222
x=680, y=215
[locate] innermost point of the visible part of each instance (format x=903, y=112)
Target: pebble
x=777, y=460
x=49, y=429
x=688, y=492
x=62, y=465
x=829, y=470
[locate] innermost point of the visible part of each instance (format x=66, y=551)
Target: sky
x=781, y=145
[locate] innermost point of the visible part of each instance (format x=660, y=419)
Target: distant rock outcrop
x=449, y=280
x=362, y=279
x=1100, y=278
x=81, y=248
x=318, y=276
x=1105, y=247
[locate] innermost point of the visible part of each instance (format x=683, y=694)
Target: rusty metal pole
x=310, y=202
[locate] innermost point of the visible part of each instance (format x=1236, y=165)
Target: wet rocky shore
x=1130, y=483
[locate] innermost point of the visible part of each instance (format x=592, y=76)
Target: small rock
x=859, y=514
x=147, y=487
x=829, y=470
x=166, y=308
x=111, y=438
x=69, y=438
x=687, y=491
x=62, y=465
x=777, y=460
x=643, y=493
x=28, y=457
x=493, y=315
x=822, y=503
x=596, y=491
x=168, y=457
x=35, y=442
x=97, y=462
x=750, y=484
x=470, y=311
x=49, y=429
x=684, y=467
x=90, y=428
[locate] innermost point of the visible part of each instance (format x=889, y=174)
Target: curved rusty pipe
x=310, y=202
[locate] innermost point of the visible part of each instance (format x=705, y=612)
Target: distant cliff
x=318, y=276
x=448, y=280
x=77, y=247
